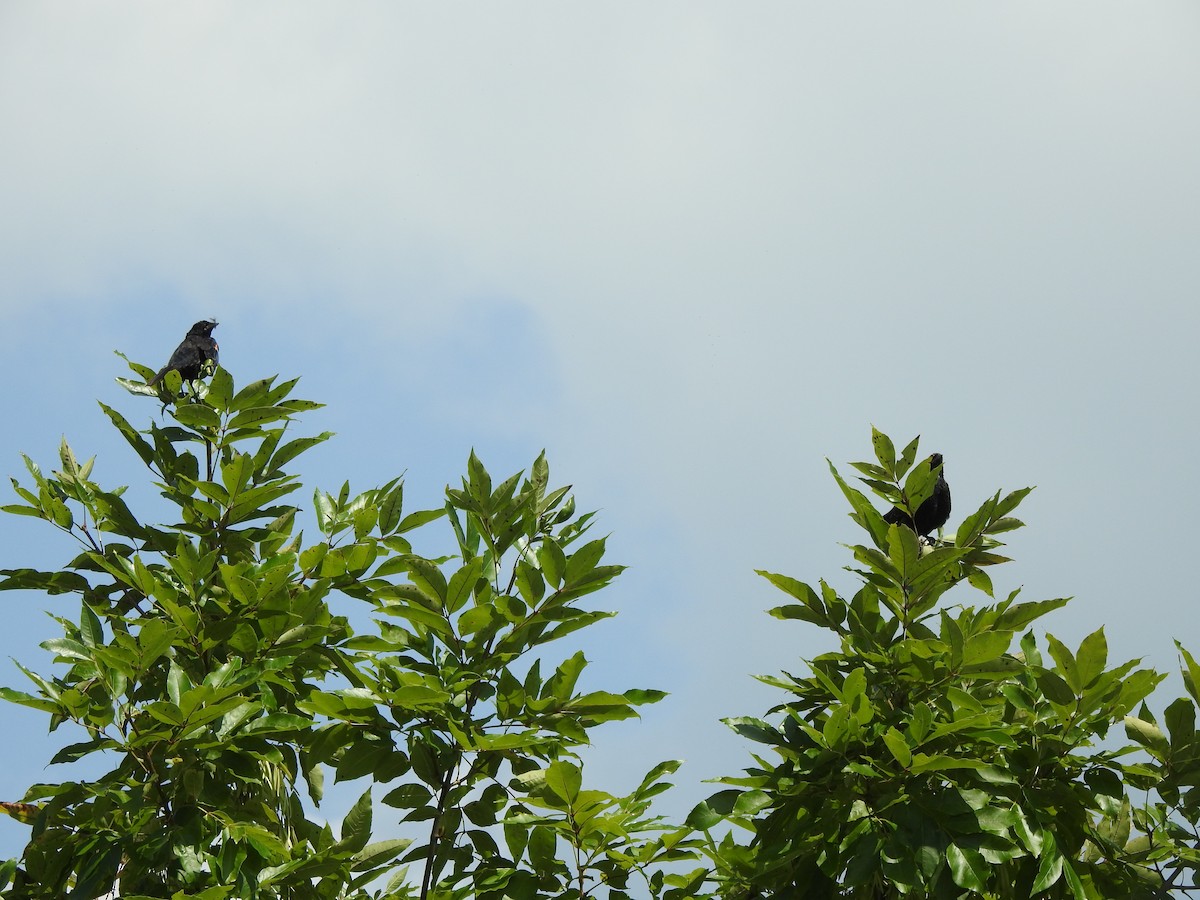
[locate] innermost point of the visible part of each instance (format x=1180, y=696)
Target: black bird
x=933, y=513
x=192, y=353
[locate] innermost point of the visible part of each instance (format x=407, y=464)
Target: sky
x=691, y=249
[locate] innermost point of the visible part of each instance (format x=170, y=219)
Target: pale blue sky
x=692, y=249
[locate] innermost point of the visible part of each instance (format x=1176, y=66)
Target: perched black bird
x=193, y=352
x=933, y=513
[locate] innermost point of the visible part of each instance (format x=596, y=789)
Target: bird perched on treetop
x=933, y=513
x=197, y=348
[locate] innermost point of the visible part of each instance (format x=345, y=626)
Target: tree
x=210, y=666
x=937, y=752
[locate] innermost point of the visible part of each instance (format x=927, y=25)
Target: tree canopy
x=943, y=750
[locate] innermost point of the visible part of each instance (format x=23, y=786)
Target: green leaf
x=390, y=508
x=898, y=746
x=236, y=473
x=919, y=484
x=904, y=550
x=583, y=561
x=937, y=763
x=419, y=518
x=1021, y=615
x=373, y=856
x=67, y=648
x=50, y=582
x=1190, y=669
x=356, y=827
x=529, y=583
x=1051, y=866
x=23, y=699
x=478, y=618
x=256, y=417
x=552, y=561
x=864, y=513
x=323, y=506
x=640, y=696
x=885, y=451
x=540, y=474
x=1091, y=658
x=516, y=836
x=750, y=802
x=561, y=684
x=1054, y=687
x=794, y=588
x=364, y=521
x=480, y=482
x=135, y=440
x=417, y=696
x=253, y=394
x=968, y=868
x=542, y=846
x=485, y=811
x=1148, y=735
x=169, y=713
x=97, y=869
x=704, y=816
x=1030, y=837
x=75, y=752
x=178, y=683
x=565, y=780
x=908, y=456
x=154, y=639
x=650, y=784
x=1075, y=883
x=1010, y=502
x=409, y=796
x=986, y=646
x=1067, y=667
x=196, y=415
x=462, y=583
x=425, y=575
x=420, y=615
x=754, y=729
x=276, y=723
x=292, y=449
x=980, y=580
x=220, y=390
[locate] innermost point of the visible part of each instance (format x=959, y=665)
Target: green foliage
x=1165, y=831
x=208, y=668
x=937, y=752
